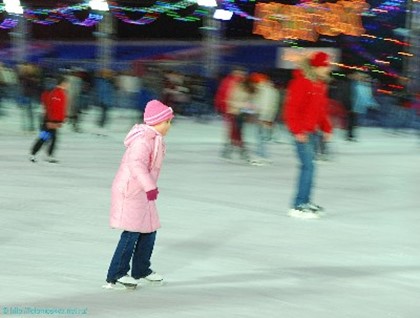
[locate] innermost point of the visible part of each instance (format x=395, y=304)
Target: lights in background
x=13, y=6
x=221, y=14
x=206, y=3
x=8, y=23
x=99, y=5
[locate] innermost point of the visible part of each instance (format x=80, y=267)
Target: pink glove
x=152, y=194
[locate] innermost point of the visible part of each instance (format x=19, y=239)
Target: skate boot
x=244, y=154
x=51, y=159
x=303, y=212
x=125, y=282
x=128, y=282
x=227, y=152
x=152, y=279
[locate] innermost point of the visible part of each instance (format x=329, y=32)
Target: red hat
x=319, y=59
x=157, y=112
x=258, y=77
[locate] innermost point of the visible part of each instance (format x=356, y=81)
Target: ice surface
x=226, y=247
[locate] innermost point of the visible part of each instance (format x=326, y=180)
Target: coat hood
x=139, y=130
x=306, y=70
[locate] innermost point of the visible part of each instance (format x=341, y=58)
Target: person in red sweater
x=221, y=103
x=305, y=115
x=54, y=102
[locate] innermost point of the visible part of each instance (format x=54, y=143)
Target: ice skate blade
x=302, y=215
x=119, y=286
x=146, y=282
x=128, y=286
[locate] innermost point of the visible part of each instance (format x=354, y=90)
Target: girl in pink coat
x=134, y=193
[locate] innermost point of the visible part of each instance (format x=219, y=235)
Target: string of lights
x=385, y=11
x=48, y=16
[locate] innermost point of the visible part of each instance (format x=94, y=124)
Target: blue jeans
x=263, y=135
x=138, y=248
x=306, y=154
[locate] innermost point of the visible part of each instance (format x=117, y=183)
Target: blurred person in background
x=3, y=86
x=73, y=98
x=343, y=94
x=224, y=90
x=55, y=104
x=199, y=93
x=277, y=129
x=105, y=94
x=267, y=102
x=28, y=95
x=128, y=85
x=305, y=114
x=240, y=109
x=362, y=100
x=175, y=93
x=10, y=82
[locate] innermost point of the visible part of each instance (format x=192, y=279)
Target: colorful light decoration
x=388, y=8
x=152, y=13
x=308, y=20
x=8, y=23
x=171, y=9
x=231, y=6
x=42, y=17
x=92, y=19
x=13, y=7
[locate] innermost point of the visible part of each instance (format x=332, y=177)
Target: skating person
x=134, y=192
x=305, y=114
x=267, y=103
x=362, y=100
x=55, y=103
x=221, y=103
x=29, y=91
x=239, y=110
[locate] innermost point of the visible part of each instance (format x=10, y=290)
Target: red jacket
x=305, y=108
x=55, y=102
x=222, y=94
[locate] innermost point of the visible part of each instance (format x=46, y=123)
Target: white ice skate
x=303, y=214
x=153, y=279
x=125, y=282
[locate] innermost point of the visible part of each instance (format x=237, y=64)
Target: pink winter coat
x=138, y=173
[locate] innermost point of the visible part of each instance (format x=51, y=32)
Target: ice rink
x=226, y=247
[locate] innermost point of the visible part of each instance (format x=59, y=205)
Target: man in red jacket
x=305, y=114
x=55, y=102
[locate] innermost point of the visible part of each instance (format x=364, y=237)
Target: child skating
x=133, y=200
x=55, y=103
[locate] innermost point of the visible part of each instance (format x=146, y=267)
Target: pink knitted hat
x=156, y=112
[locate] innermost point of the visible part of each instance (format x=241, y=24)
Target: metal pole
x=104, y=41
x=19, y=40
x=211, y=44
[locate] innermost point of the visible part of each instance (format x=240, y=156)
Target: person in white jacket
x=239, y=109
x=267, y=102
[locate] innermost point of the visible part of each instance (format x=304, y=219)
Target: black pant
x=45, y=135
x=351, y=124
x=103, y=118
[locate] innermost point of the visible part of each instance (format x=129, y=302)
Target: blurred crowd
x=103, y=89
x=353, y=101
x=239, y=96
